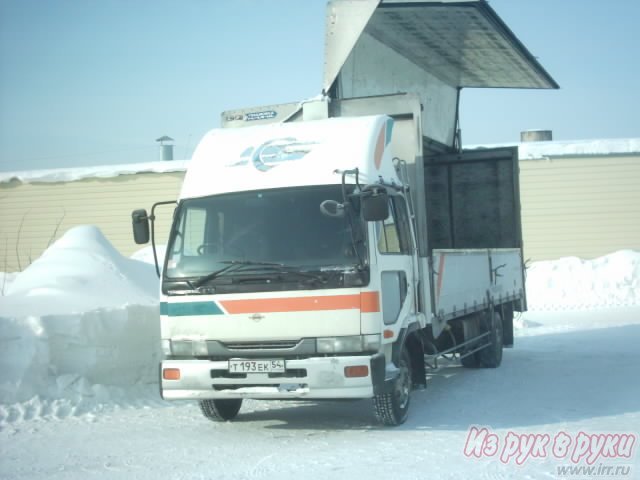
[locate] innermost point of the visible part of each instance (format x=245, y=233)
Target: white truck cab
x=335, y=248
x=273, y=277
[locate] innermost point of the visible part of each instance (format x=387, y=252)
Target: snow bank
x=145, y=254
x=77, y=357
x=572, y=283
x=80, y=272
x=5, y=280
x=78, y=325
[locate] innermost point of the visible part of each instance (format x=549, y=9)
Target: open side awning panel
x=462, y=43
x=430, y=48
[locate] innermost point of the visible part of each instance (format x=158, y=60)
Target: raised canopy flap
x=430, y=48
x=462, y=43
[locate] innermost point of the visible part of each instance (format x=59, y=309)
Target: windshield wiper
x=234, y=265
x=230, y=265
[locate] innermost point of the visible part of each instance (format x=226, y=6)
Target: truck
x=335, y=248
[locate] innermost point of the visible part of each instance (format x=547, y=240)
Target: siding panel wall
x=30, y=213
x=584, y=207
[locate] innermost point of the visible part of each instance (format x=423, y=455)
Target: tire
x=472, y=361
x=221, y=410
x=491, y=357
x=392, y=408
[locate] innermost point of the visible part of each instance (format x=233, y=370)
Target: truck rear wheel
x=491, y=357
x=392, y=408
x=472, y=327
x=470, y=361
x=221, y=410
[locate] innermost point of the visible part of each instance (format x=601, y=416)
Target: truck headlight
x=181, y=348
x=199, y=348
x=350, y=344
x=185, y=348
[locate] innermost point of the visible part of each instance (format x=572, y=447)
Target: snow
x=570, y=148
x=5, y=280
x=103, y=171
x=82, y=271
x=80, y=317
x=572, y=283
x=566, y=374
x=575, y=148
x=145, y=254
x=79, y=337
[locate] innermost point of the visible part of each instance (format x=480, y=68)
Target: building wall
x=580, y=206
x=33, y=215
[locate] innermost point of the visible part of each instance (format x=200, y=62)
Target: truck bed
x=468, y=280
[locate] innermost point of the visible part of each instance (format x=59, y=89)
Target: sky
x=96, y=83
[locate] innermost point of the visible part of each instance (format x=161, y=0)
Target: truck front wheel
x=392, y=408
x=221, y=410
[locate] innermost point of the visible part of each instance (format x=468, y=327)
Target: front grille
x=275, y=345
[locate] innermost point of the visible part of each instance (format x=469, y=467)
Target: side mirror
x=140, y=221
x=374, y=203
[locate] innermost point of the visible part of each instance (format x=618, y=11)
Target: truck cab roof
x=282, y=155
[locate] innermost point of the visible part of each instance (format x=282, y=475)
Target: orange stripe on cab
x=368, y=302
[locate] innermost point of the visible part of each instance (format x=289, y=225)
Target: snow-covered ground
x=78, y=394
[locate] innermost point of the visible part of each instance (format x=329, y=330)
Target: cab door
x=394, y=251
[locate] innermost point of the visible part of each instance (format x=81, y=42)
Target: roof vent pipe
x=166, y=150
x=536, y=136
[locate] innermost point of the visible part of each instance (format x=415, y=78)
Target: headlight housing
x=185, y=348
x=349, y=344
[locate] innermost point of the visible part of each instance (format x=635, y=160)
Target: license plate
x=256, y=366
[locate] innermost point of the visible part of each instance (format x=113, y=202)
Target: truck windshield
x=280, y=226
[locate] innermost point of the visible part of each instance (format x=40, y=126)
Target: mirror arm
x=355, y=172
x=152, y=219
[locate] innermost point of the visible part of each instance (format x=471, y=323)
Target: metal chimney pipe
x=536, y=136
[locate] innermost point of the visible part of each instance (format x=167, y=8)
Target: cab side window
x=394, y=234
x=194, y=230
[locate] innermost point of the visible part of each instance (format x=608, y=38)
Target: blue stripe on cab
x=189, y=309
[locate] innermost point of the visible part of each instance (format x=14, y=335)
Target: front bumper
x=310, y=378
